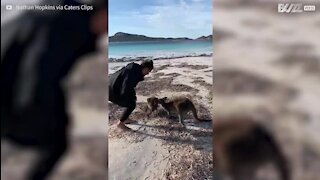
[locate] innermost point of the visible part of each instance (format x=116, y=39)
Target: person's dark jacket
x=123, y=82
x=38, y=51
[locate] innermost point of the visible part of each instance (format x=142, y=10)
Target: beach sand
x=86, y=157
x=160, y=148
x=268, y=64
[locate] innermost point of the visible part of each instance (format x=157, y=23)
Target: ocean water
x=160, y=48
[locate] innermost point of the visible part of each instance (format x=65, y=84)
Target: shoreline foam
x=139, y=58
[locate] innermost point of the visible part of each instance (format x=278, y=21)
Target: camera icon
x=9, y=7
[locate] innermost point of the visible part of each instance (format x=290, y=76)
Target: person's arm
x=128, y=85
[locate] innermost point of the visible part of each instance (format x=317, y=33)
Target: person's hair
x=147, y=64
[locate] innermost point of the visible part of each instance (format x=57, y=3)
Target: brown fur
x=241, y=145
x=152, y=104
x=180, y=105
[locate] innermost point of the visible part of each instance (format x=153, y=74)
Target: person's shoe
x=122, y=126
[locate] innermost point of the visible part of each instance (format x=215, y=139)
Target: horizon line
x=158, y=36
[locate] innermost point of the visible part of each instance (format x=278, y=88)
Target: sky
x=161, y=18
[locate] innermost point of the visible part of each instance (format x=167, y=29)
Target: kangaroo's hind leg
x=181, y=119
x=181, y=116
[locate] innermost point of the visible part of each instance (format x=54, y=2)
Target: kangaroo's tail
x=279, y=158
x=282, y=165
x=194, y=112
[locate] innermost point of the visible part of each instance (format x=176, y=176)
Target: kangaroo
x=180, y=105
x=152, y=104
x=241, y=145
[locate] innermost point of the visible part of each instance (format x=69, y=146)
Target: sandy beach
x=160, y=148
x=86, y=157
x=267, y=64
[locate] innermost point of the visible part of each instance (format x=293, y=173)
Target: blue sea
x=160, y=48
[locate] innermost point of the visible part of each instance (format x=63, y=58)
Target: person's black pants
x=129, y=107
x=128, y=110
